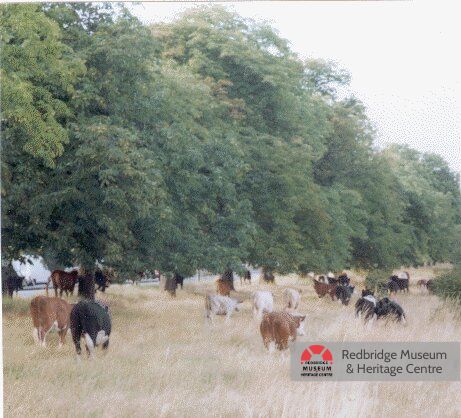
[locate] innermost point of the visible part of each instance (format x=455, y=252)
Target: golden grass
x=165, y=361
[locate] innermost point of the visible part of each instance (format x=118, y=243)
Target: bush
x=448, y=285
x=377, y=280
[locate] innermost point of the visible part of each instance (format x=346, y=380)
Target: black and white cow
x=389, y=309
x=344, y=294
x=91, y=321
x=366, y=305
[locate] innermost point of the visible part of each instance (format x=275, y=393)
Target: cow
x=223, y=287
x=228, y=276
x=402, y=284
x=11, y=283
x=220, y=305
x=323, y=289
x=431, y=286
x=331, y=278
x=344, y=280
x=101, y=280
x=344, y=293
x=90, y=319
x=366, y=305
x=263, y=301
x=49, y=313
x=63, y=281
x=422, y=283
x=245, y=276
x=387, y=308
x=86, y=286
x=291, y=298
x=268, y=277
x=280, y=327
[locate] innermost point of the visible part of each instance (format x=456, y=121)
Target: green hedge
x=377, y=280
x=448, y=285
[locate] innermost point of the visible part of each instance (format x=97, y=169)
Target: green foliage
x=201, y=143
x=448, y=285
x=377, y=280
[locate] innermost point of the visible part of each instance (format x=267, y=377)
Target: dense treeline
x=202, y=143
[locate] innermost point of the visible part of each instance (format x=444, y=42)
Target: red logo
x=316, y=350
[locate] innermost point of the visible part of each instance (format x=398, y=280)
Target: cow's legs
x=62, y=336
x=89, y=344
x=35, y=334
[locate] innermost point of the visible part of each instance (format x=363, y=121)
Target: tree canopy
x=204, y=143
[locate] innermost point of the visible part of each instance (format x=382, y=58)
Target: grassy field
x=164, y=360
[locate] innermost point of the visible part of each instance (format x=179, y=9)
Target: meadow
x=164, y=360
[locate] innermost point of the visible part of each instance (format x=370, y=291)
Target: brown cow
x=223, y=287
x=323, y=288
x=48, y=313
x=63, y=281
x=422, y=283
x=281, y=327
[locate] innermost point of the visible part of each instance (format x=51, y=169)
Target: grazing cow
x=90, y=319
x=387, y=308
x=344, y=280
x=263, y=301
x=220, y=305
x=291, y=298
x=48, y=313
x=323, y=289
x=393, y=287
x=228, y=276
x=281, y=327
x=422, y=283
x=101, y=280
x=344, y=293
x=63, y=281
x=268, y=277
x=223, y=287
x=179, y=280
x=402, y=284
x=246, y=276
x=431, y=285
x=11, y=282
x=366, y=305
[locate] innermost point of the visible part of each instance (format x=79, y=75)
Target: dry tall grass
x=164, y=360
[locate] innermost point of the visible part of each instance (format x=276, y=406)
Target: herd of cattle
x=90, y=319
x=282, y=326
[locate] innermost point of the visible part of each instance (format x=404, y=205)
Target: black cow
x=90, y=320
x=344, y=280
x=344, y=293
x=387, y=308
x=395, y=284
x=366, y=304
x=268, y=277
x=11, y=282
x=101, y=280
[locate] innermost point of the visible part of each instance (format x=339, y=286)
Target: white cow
x=291, y=298
x=220, y=305
x=263, y=301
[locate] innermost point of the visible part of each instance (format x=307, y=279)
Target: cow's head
x=300, y=324
x=367, y=292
